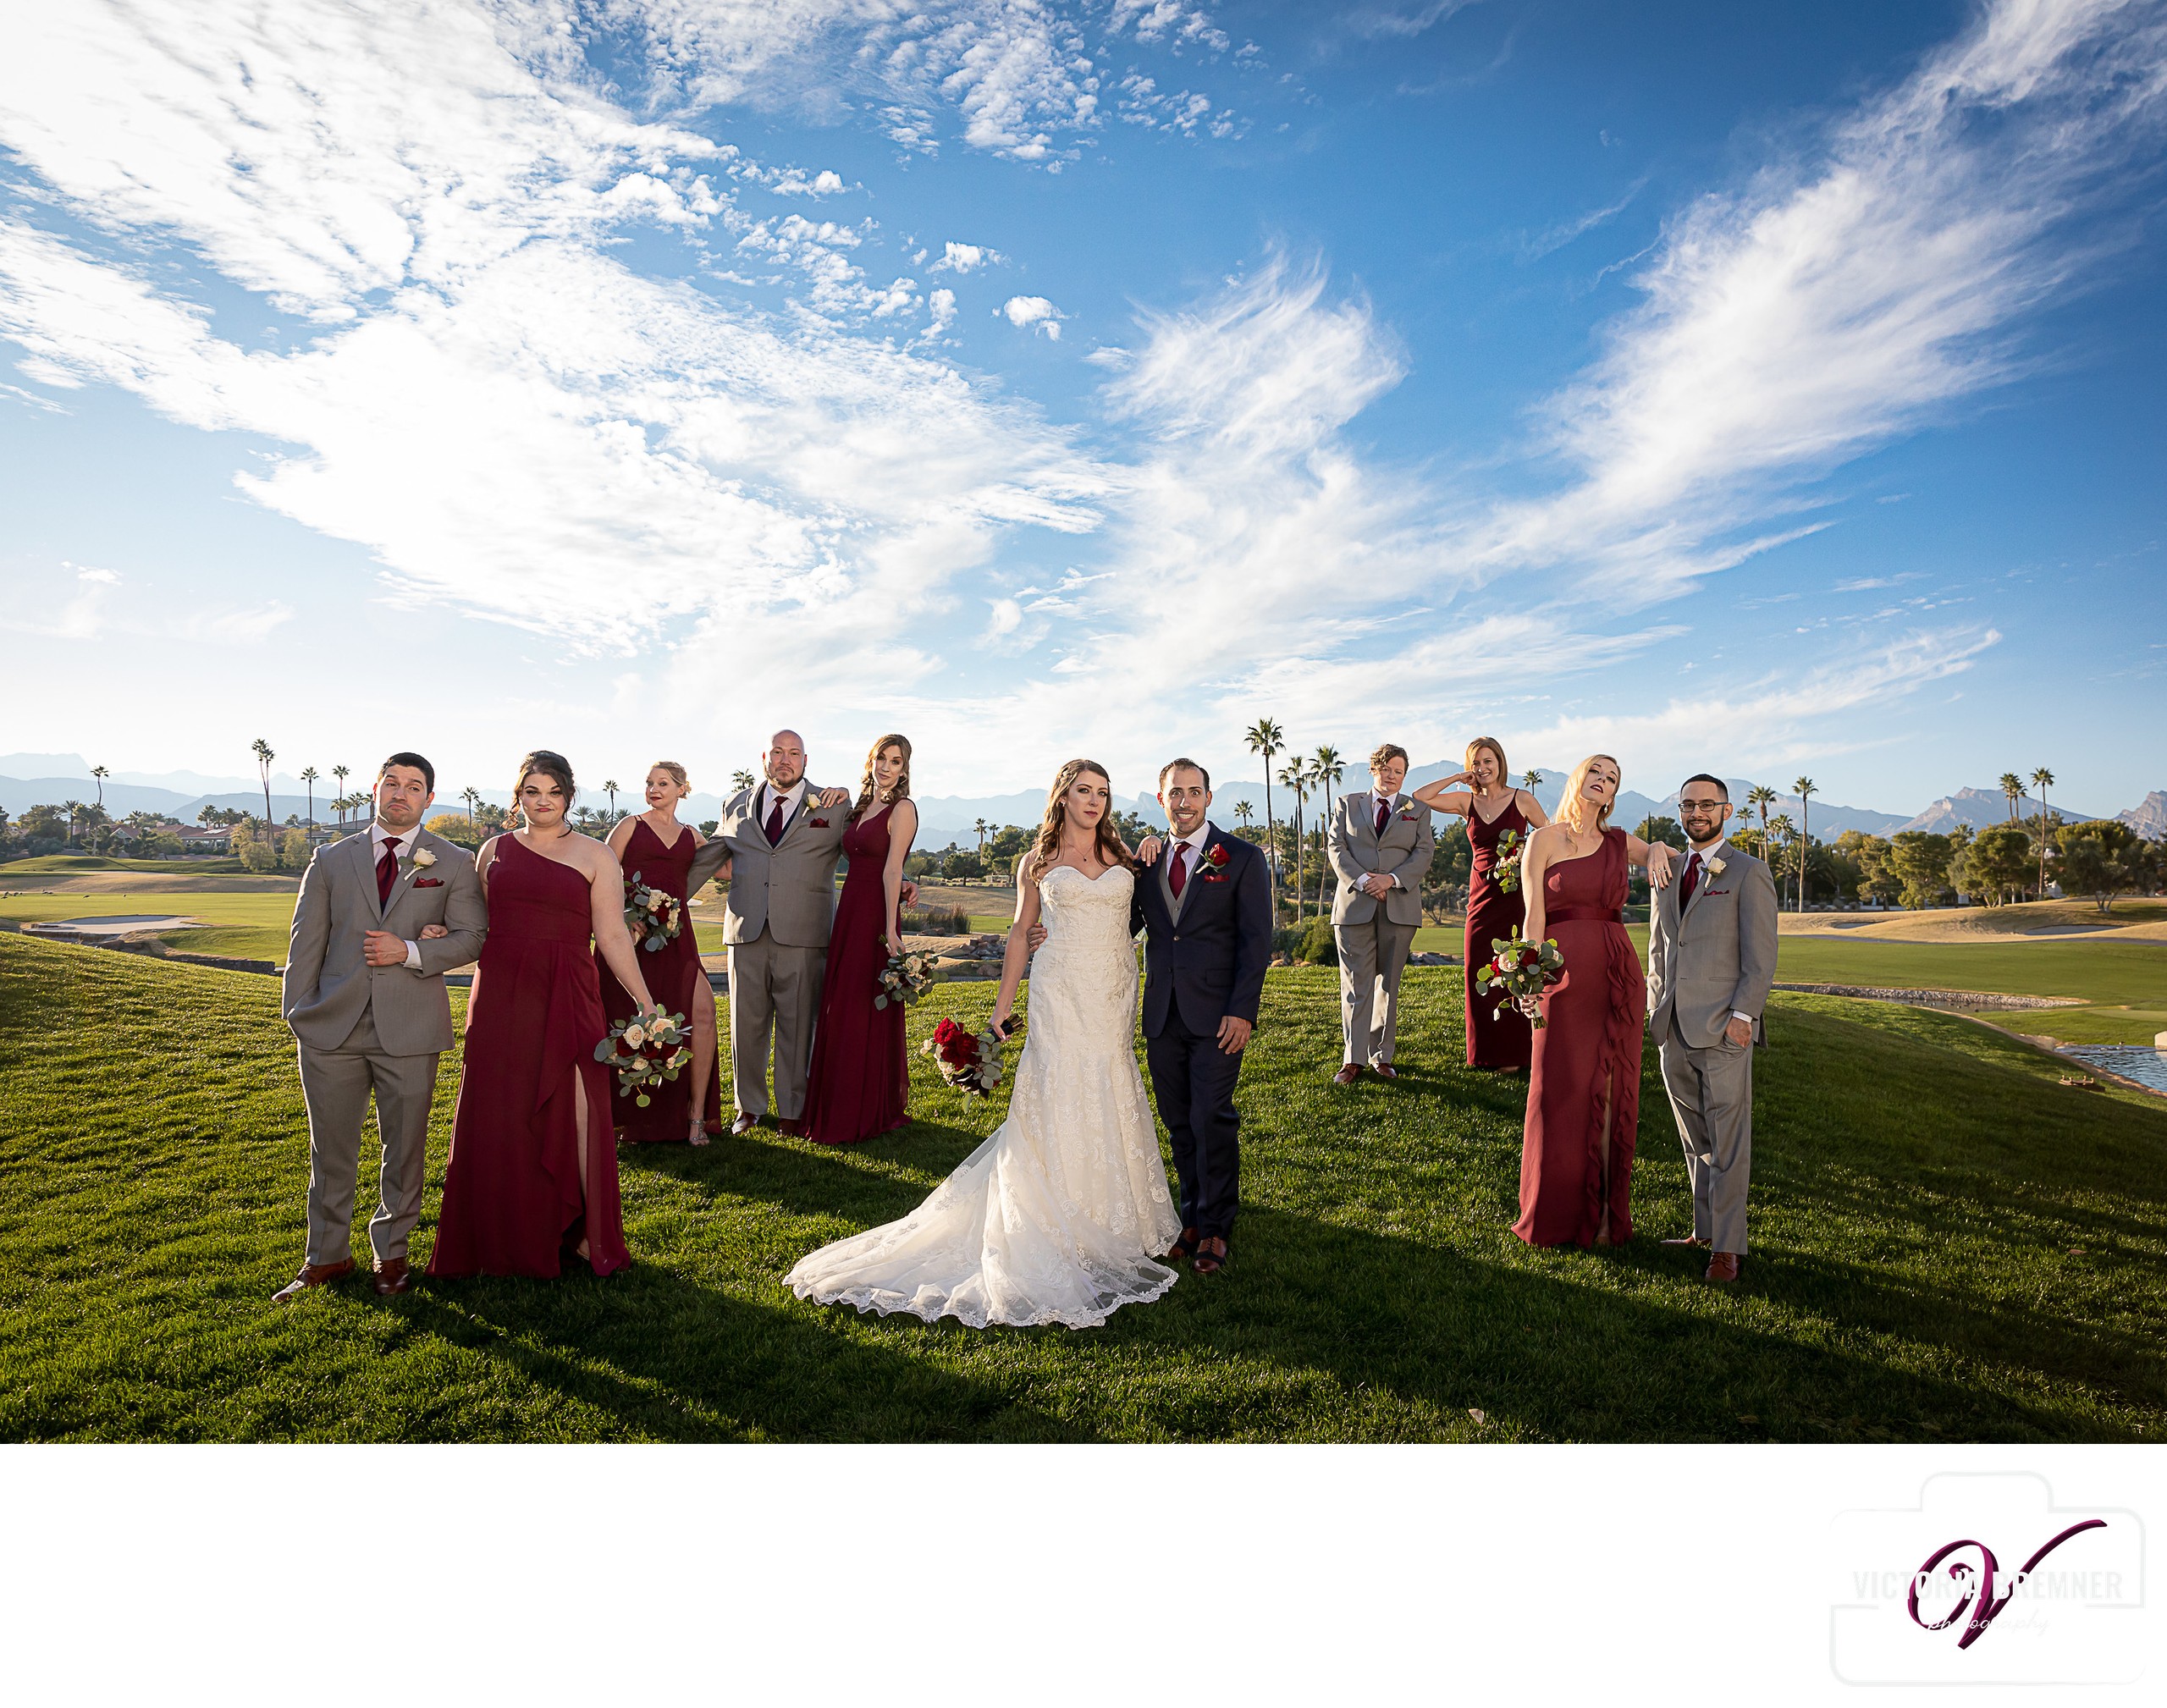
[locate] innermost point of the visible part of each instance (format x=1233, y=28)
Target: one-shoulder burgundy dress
x=1494, y=1041
x=860, y=1079
x=1587, y=1061
x=670, y=973
x=514, y=1202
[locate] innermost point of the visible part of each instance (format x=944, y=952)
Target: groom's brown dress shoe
x=391, y=1276
x=1182, y=1249
x=1384, y=1070
x=1211, y=1256
x=312, y=1274
x=790, y=1129
x=1349, y=1074
x=743, y=1125
x=1723, y=1266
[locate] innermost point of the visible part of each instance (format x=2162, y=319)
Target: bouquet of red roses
x=645, y=1052
x=1517, y=968
x=969, y=1060
x=1508, y=867
x=653, y=917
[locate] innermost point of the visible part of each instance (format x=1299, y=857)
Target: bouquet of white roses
x=645, y=1052
x=1511, y=845
x=905, y=978
x=654, y=917
x=1517, y=968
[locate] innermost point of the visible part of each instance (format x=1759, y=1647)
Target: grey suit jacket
x=1402, y=852
x=328, y=982
x=1719, y=957
x=788, y=890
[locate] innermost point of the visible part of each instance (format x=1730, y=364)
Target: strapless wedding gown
x=1058, y=1216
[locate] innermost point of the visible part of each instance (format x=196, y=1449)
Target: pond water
x=2139, y=1061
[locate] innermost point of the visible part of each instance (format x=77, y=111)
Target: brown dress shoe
x=1384, y=1070
x=1723, y=1266
x=1349, y=1074
x=1211, y=1256
x=1184, y=1248
x=1688, y=1239
x=743, y=1125
x=312, y=1274
x=391, y=1276
x=793, y=1128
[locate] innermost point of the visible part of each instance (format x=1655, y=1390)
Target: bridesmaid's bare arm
x=1441, y=797
x=1541, y=847
x=620, y=835
x=606, y=885
x=902, y=826
x=1655, y=856
x=1532, y=809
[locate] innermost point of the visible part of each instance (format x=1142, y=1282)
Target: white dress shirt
x=763, y=802
x=401, y=844
x=1706, y=855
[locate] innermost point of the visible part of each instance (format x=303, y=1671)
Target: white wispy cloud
x=1033, y=312
x=82, y=616
x=967, y=257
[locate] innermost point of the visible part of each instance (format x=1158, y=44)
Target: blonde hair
x=868, y=787
x=1570, y=810
x=676, y=770
x=1106, y=843
x=1504, y=771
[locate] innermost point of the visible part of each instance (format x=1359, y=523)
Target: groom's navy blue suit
x=1199, y=967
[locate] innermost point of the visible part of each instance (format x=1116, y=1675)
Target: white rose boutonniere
x=1716, y=867
x=424, y=859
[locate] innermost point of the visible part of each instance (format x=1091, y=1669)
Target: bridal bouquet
x=653, y=917
x=645, y=1053
x=969, y=1060
x=1517, y=968
x=905, y=978
x=1511, y=845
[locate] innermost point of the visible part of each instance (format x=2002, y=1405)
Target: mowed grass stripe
x=1948, y=1246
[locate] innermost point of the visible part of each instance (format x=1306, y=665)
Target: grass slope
x=1948, y=1246
x=2125, y=983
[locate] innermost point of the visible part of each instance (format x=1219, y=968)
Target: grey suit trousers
x=1712, y=1096
x=774, y=988
x=1371, y=956
x=336, y=1083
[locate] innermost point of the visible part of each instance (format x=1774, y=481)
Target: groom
x=1711, y=959
x=363, y=991
x=1206, y=906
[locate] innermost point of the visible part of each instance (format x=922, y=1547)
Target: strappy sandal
x=698, y=1135
x=1211, y=1256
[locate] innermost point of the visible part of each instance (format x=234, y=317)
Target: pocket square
x=819, y=823
x=428, y=882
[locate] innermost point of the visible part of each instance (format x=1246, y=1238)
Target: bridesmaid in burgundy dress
x=1499, y=1043
x=532, y=1179
x=860, y=1079
x=654, y=848
x=1584, y=1092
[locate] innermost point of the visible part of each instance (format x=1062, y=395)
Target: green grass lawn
x=2125, y=983
x=253, y=926
x=1949, y=1245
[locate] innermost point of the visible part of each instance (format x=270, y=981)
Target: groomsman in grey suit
x=363, y=991
x=1711, y=960
x=782, y=840
x=1381, y=844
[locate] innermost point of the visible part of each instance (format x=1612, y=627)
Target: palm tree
x=2012, y=789
x=1245, y=811
x=981, y=827
x=2042, y=779
x=1528, y=780
x=1804, y=788
x=1296, y=776
x=264, y=756
x=73, y=808
x=101, y=774
x=1329, y=765
x=609, y=788
x=742, y=780
x=309, y=775
x=472, y=797
x=1759, y=799
x=341, y=772
x=1265, y=736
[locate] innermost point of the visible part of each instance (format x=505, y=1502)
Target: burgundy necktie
x=1384, y=812
x=1177, y=873
x=1690, y=882
x=775, y=821
x=387, y=873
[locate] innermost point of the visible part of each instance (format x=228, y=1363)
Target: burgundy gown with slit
x=861, y=1078
x=514, y=1202
x=670, y=972
x=1574, y=1167
x=1494, y=1041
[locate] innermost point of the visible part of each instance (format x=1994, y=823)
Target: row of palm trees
x=1303, y=775
x=2012, y=789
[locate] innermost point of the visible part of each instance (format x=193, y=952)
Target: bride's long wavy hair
x=868, y=787
x=1047, y=848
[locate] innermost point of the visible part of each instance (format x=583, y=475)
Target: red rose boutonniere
x=1212, y=865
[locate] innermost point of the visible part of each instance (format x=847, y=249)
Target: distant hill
x=1980, y=807
x=2148, y=818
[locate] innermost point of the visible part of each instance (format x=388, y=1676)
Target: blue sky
x=1769, y=390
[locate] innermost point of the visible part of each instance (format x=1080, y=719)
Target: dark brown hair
x=1173, y=765
x=1106, y=843
x=868, y=788
x=554, y=766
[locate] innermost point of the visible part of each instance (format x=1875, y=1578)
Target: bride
x=1057, y=1217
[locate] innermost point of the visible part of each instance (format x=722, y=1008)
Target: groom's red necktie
x=387, y=873
x=1177, y=873
x=1691, y=881
x=1384, y=812
x=775, y=821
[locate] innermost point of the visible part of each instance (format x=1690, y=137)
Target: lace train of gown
x=1058, y=1216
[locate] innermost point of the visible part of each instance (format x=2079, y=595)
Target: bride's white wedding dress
x=1058, y=1216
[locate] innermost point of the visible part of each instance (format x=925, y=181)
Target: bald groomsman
x=1711, y=960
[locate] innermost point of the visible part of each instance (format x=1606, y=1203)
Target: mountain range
x=29, y=780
